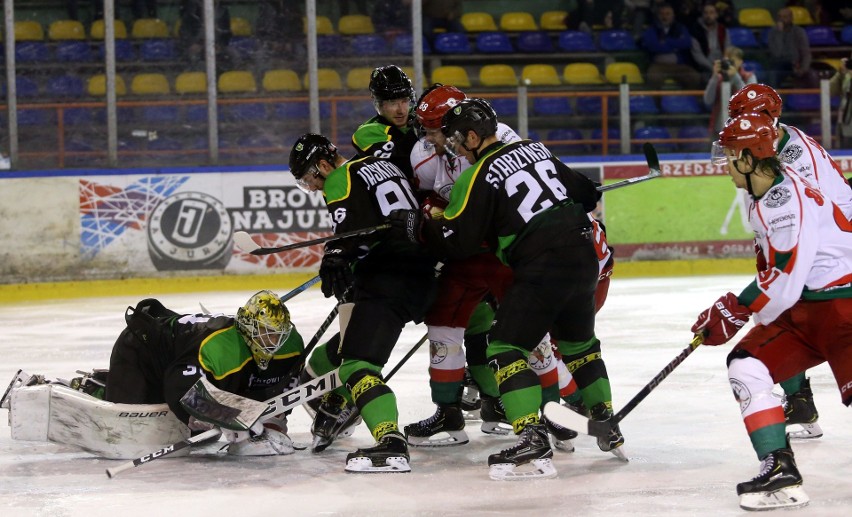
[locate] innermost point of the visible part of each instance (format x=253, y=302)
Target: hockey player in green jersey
x=387, y=281
x=531, y=209
x=389, y=135
x=161, y=354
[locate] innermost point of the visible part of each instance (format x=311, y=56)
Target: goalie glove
x=722, y=320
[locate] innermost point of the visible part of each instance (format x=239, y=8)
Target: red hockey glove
x=722, y=320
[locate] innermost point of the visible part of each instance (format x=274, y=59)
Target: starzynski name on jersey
x=378, y=171
x=504, y=166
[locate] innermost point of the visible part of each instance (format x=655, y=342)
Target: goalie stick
x=165, y=451
x=653, y=170
x=246, y=244
x=573, y=420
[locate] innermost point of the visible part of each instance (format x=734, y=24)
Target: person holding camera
x=841, y=84
x=730, y=69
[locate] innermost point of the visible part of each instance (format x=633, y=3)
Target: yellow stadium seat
x=66, y=30
x=452, y=75
x=149, y=84
x=358, y=78
x=281, y=80
x=28, y=30
x=191, y=82
x=350, y=24
x=801, y=15
x=832, y=62
x=517, y=21
x=755, y=17
x=237, y=81
x=324, y=25
x=327, y=79
x=553, y=20
x=615, y=71
x=409, y=72
x=98, y=29
x=176, y=30
x=540, y=75
x=478, y=22
x=240, y=27
x=582, y=73
x=97, y=86
x=498, y=75
x=144, y=28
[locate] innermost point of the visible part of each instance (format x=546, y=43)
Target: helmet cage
x=264, y=322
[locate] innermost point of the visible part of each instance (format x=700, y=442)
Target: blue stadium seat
x=73, y=52
x=24, y=86
x=452, y=43
x=256, y=141
x=157, y=50
x=846, y=35
x=78, y=116
x=331, y=45
x=344, y=110
x=505, y=106
x=160, y=114
x=821, y=36
x=614, y=40
x=676, y=104
x=165, y=143
x=35, y=117
x=653, y=133
x=695, y=132
x=756, y=68
x=802, y=102
x=369, y=45
x=32, y=52
x=566, y=134
x=534, y=42
x=592, y=106
x=124, y=50
x=494, y=43
x=67, y=86
x=243, y=112
x=289, y=110
x=404, y=44
x=245, y=46
x=552, y=106
x=576, y=41
x=643, y=105
x=195, y=113
x=743, y=37
x=533, y=135
x=613, y=135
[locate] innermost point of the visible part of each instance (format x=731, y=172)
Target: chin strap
x=746, y=174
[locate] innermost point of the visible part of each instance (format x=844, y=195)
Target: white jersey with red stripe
x=807, y=243
x=438, y=173
x=811, y=162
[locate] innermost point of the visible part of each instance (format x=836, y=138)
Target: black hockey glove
x=335, y=273
x=406, y=224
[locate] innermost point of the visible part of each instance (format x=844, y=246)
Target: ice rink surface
x=686, y=442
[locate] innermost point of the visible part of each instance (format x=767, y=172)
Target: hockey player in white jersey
x=810, y=161
x=801, y=302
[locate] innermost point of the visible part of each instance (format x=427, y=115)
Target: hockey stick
x=165, y=451
x=406, y=357
x=304, y=287
x=572, y=420
x=653, y=170
x=246, y=244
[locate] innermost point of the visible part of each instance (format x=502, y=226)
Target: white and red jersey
x=439, y=173
x=807, y=243
x=812, y=163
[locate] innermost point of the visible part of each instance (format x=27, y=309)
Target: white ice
x=687, y=444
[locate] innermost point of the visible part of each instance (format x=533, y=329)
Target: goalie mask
x=264, y=323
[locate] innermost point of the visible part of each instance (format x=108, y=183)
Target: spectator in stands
x=280, y=32
x=832, y=12
x=442, y=14
x=392, y=16
x=727, y=13
x=668, y=44
x=191, y=36
x=789, y=53
x=144, y=8
x=638, y=13
x=590, y=15
x=709, y=39
x=360, y=7
x=841, y=84
x=730, y=69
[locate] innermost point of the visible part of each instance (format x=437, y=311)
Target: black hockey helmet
x=390, y=82
x=308, y=150
x=472, y=114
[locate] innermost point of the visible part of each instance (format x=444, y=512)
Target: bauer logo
x=188, y=231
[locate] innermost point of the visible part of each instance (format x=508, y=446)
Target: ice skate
x=562, y=436
x=532, y=452
x=800, y=414
x=779, y=484
x=470, y=401
x=615, y=440
x=390, y=454
x=335, y=418
x=493, y=416
x=444, y=428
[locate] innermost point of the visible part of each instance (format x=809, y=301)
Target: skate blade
x=471, y=415
x=790, y=497
x=536, y=469
x=396, y=464
x=563, y=445
x=442, y=439
x=495, y=428
x=804, y=431
x=619, y=453
x=320, y=443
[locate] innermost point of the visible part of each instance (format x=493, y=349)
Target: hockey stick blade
x=566, y=417
x=246, y=244
x=653, y=170
x=165, y=451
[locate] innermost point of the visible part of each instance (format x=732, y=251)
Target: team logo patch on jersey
x=741, y=393
x=791, y=153
x=339, y=215
x=438, y=352
x=776, y=197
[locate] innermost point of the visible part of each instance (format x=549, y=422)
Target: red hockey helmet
x=753, y=131
x=436, y=101
x=755, y=98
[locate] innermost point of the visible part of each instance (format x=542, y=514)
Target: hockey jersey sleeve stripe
x=340, y=188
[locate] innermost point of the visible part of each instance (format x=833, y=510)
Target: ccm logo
x=845, y=388
x=139, y=414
